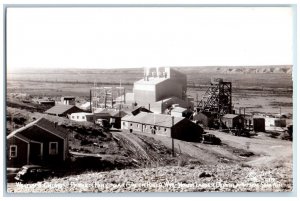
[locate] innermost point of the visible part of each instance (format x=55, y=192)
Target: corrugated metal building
x=160, y=124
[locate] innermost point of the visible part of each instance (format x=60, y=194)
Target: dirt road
x=267, y=151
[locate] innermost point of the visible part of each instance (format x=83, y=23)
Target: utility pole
x=173, y=153
x=280, y=111
x=91, y=100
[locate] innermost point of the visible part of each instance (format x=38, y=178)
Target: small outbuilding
x=116, y=117
x=68, y=100
x=63, y=110
x=111, y=115
x=259, y=124
x=46, y=102
x=181, y=112
x=232, y=121
x=41, y=142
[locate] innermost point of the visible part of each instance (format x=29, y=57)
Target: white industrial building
x=160, y=89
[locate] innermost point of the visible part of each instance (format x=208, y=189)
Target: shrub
x=182, y=161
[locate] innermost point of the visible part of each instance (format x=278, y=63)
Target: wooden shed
x=259, y=124
x=40, y=142
x=233, y=121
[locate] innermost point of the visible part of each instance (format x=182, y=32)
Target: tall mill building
x=160, y=88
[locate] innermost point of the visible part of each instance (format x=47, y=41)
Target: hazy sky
x=141, y=37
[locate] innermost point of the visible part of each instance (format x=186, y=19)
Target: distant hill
x=286, y=69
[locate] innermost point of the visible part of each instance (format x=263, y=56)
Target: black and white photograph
x=149, y=99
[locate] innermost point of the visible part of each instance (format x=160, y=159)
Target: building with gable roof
x=165, y=125
x=39, y=142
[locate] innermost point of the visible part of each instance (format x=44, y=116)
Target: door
x=35, y=155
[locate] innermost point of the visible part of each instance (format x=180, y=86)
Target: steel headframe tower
x=217, y=98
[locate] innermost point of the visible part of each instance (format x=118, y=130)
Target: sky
x=148, y=37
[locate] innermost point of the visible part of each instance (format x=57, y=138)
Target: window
x=77, y=117
x=130, y=124
x=123, y=123
x=165, y=130
x=73, y=117
x=13, y=151
x=53, y=148
x=137, y=125
x=82, y=117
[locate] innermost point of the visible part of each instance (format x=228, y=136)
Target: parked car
x=210, y=139
x=11, y=173
x=33, y=173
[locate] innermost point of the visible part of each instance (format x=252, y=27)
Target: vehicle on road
x=33, y=173
x=210, y=139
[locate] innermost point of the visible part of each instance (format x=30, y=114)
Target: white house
x=82, y=116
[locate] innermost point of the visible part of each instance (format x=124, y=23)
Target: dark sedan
x=33, y=173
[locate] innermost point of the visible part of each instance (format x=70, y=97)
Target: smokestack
x=157, y=71
x=149, y=106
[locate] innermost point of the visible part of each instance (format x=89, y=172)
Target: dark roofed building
x=232, y=121
x=160, y=124
x=68, y=100
x=116, y=117
x=63, y=110
x=112, y=115
x=40, y=142
x=140, y=109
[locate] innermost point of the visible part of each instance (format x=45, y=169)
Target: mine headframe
x=217, y=98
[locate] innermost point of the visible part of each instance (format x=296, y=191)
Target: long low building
x=160, y=124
